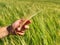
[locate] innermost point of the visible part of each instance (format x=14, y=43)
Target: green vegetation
x=45, y=26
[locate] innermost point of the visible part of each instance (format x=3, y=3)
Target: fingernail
x=26, y=26
x=18, y=29
x=21, y=34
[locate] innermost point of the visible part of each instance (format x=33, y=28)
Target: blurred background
x=45, y=26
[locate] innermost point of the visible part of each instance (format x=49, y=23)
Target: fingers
x=16, y=26
x=23, y=28
x=26, y=27
x=19, y=22
x=28, y=22
x=21, y=33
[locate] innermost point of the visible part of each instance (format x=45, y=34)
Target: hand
x=16, y=25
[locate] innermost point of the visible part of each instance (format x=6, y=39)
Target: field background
x=45, y=26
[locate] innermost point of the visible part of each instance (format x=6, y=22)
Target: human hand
x=16, y=25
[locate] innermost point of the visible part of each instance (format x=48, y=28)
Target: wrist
x=10, y=30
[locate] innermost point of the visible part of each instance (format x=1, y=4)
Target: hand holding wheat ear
x=16, y=25
x=21, y=25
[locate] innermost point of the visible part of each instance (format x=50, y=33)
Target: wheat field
x=45, y=26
